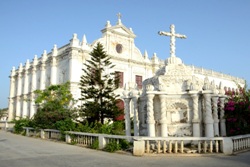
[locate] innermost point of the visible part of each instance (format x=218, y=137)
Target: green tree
x=55, y=103
x=3, y=112
x=97, y=88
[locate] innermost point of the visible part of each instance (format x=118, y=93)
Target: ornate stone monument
x=179, y=102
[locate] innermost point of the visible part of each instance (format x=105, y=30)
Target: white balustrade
x=181, y=144
x=241, y=142
x=226, y=145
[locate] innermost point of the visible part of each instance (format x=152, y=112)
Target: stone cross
x=172, y=36
x=119, y=19
x=119, y=15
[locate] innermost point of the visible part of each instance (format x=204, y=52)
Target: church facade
x=66, y=63
x=138, y=73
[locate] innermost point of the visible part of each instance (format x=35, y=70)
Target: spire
x=35, y=60
x=54, y=50
x=131, y=29
x=20, y=67
x=27, y=64
x=13, y=68
x=146, y=54
x=44, y=56
x=74, y=42
x=108, y=24
x=155, y=58
x=119, y=22
x=13, y=71
x=84, y=40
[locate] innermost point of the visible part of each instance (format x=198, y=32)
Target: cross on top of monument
x=119, y=15
x=172, y=36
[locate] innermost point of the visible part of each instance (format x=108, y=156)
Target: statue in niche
x=179, y=116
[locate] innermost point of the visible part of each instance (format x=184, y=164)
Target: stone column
x=215, y=115
x=209, y=128
x=11, y=95
x=19, y=93
x=18, y=107
x=136, y=120
x=25, y=92
x=53, y=72
x=24, y=106
x=163, y=117
x=196, y=118
x=42, y=77
x=19, y=83
x=34, y=84
x=150, y=115
x=223, y=131
x=127, y=116
x=32, y=105
x=11, y=110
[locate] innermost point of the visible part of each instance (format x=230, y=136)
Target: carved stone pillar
x=75, y=66
x=19, y=84
x=25, y=92
x=196, y=118
x=127, y=116
x=136, y=120
x=209, y=128
x=11, y=110
x=19, y=93
x=11, y=95
x=18, y=107
x=24, y=106
x=223, y=131
x=32, y=105
x=42, y=77
x=215, y=115
x=150, y=115
x=34, y=84
x=12, y=85
x=53, y=71
x=163, y=117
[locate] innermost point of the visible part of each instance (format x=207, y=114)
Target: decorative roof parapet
x=74, y=42
x=202, y=71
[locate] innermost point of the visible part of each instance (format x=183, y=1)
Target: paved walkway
x=21, y=151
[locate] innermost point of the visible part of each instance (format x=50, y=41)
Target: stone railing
x=43, y=133
x=32, y=132
x=241, y=142
x=152, y=145
x=51, y=134
x=87, y=139
x=164, y=145
x=212, y=73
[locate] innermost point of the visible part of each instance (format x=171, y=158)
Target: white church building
x=139, y=77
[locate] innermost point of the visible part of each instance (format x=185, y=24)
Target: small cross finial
x=119, y=15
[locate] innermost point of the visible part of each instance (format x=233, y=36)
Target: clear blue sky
x=218, y=31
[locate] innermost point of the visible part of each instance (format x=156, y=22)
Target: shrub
x=124, y=144
x=22, y=122
x=95, y=144
x=237, y=112
x=112, y=146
